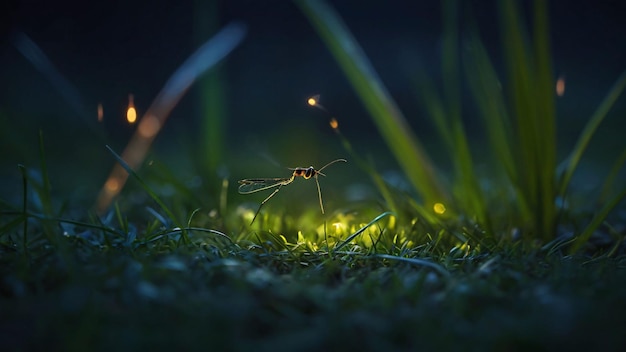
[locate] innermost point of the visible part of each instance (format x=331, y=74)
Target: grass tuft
x=519, y=120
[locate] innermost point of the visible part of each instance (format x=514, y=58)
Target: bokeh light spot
x=439, y=208
x=131, y=115
x=560, y=86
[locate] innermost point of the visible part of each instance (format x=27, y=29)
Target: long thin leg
x=319, y=194
x=263, y=202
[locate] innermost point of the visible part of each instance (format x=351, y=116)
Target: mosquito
x=253, y=185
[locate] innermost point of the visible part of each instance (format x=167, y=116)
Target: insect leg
x=319, y=193
x=263, y=202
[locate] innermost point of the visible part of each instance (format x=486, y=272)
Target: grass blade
x=487, y=94
x=375, y=97
x=45, y=195
x=532, y=107
x=416, y=261
x=24, y=209
x=361, y=230
x=592, y=125
x=151, y=193
x=597, y=221
x=609, y=181
x=446, y=114
x=544, y=96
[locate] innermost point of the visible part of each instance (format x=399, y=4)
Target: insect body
x=253, y=185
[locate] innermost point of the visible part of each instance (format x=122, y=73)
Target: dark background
x=108, y=50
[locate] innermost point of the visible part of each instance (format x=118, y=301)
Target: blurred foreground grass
x=114, y=292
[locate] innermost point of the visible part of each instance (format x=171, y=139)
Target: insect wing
x=251, y=185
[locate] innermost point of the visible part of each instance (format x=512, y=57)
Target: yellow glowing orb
x=334, y=124
x=439, y=208
x=131, y=115
x=312, y=101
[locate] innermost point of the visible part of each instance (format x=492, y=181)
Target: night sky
x=108, y=50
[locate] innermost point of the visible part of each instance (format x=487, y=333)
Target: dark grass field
x=203, y=297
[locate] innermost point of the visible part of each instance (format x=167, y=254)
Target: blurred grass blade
x=532, y=106
x=592, y=125
x=416, y=261
x=150, y=192
x=597, y=221
x=446, y=114
x=487, y=93
x=45, y=194
x=70, y=93
x=544, y=96
x=466, y=188
x=609, y=181
x=24, y=217
x=368, y=167
x=204, y=58
x=210, y=98
x=384, y=111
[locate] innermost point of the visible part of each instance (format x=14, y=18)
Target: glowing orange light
x=131, y=113
x=334, y=124
x=560, y=86
x=439, y=208
x=315, y=102
x=169, y=96
x=100, y=112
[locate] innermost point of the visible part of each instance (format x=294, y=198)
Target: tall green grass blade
x=389, y=120
x=435, y=108
x=609, y=181
x=532, y=106
x=597, y=221
x=44, y=194
x=366, y=166
x=519, y=73
x=590, y=128
x=450, y=60
x=121, y=220
x=150, y=193
x=446, y=114
x=46, y=199
x=210, y=97
x=487, y=94
x=24, y=218
x=380, y=184
x=544, y=96
x=517, y=62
